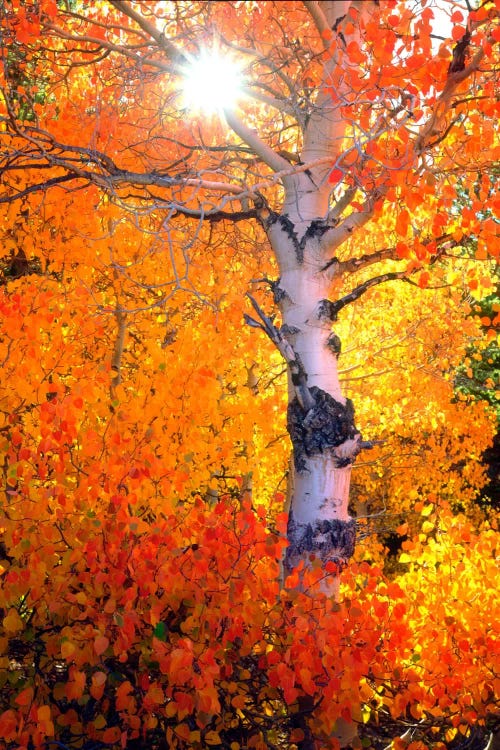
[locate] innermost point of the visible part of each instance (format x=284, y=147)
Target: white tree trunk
x=304, y=235
x=324, y=438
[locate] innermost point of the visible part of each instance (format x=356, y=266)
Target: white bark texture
x=324, y=438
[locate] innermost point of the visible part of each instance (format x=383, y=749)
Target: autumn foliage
x=143, y=444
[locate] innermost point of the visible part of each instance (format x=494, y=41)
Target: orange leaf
x=423, y=279
x=43, y=713
x=67, y=649
x=402, y=250
x=183, y=731
x=9, y=724
x=111, y=735
x=101, y=643
x=212, y=738
x=238, y=701
x=25, y=697
x=402, y=222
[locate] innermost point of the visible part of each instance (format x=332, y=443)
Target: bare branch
x=335, y=307
x=170, y=49
x=103, y=44
x=345, y=199
x=37, y=188
x=442, y=243
x=280, y=104
x=266, y=153
x=355, y=264
x=340, y=233
x=298, y=374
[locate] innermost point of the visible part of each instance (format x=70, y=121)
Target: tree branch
x=266, y=153
x=319, y=19
x=272, y=101
x=457, y=73
x=166, y=45
x=340, y=233
x=96, y=167
x=442, y=243
x=102, y=44
x=345, y=199
x=39, y=187
x=335, y=307
x=298, y=374
x=368, y=259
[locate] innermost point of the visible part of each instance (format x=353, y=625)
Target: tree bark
x=324, y=438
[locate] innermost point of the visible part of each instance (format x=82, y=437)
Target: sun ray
x=212, y=83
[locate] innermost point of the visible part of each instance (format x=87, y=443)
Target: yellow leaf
x=99, y=722
x=67, y=649
x=212, y=738
x=43, y=713
x=12, y=622
x=404, y=558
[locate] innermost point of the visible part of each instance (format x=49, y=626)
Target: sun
x=212, y=83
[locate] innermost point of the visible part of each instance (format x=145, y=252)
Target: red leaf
x=402, y=222
x=423, y=280
x=457, y=33
x=336, y=175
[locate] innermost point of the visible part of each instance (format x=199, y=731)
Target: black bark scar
x=324, y=427
x=317, y=228
x=329, y=539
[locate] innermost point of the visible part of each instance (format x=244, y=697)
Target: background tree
x=356, y=137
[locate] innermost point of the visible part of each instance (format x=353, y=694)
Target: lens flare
x=212, y=83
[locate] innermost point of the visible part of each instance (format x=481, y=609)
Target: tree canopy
x=143, y=422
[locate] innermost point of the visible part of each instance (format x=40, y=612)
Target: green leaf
x=160, y=631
